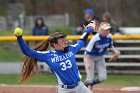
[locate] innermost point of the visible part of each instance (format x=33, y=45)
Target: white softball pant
x=96, y=63
x=81, y=88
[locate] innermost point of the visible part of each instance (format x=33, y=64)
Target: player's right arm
x=27, y=50
x=80, y=43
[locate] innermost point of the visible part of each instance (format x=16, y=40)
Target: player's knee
x=101, y=79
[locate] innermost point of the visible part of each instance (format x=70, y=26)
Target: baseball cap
x=89, y=11
x=105, y=26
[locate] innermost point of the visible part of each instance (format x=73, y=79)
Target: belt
x=70, y=86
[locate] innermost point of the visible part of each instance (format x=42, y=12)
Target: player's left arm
x=80, y=43
x=89, y=28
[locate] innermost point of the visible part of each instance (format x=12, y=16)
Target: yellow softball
x=18, y=32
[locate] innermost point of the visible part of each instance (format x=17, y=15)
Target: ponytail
x=30, y=64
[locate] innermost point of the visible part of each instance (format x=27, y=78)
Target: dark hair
x=39, y=18
x=30, y=64
x=98, y=19
x=54, y=39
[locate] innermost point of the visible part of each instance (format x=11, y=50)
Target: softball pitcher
x=94, y=54
x=61, y=60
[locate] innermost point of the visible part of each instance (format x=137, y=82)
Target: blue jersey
x=62, y=64
x=98, y=45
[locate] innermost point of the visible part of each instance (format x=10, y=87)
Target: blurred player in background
x=94, y=55
x=114, y=27
x=61, y=60
x=89, y=15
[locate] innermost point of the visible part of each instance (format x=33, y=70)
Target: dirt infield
x=52, y=89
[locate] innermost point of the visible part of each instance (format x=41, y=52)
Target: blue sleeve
x=41, y=56
x=78, y=46
x=82, y=40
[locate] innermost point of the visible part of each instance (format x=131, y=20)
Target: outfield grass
x=66, y=30
x=10, y=33
x=10, y=52
x=41, y=79
x=128, y=80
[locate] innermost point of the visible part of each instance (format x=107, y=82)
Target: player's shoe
x=87, y=83
x=90, y=87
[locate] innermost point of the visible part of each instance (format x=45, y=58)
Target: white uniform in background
x=94, y=55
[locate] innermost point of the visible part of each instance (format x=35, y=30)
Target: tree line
x=125, y=12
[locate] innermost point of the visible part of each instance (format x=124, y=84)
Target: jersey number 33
x=65, y=65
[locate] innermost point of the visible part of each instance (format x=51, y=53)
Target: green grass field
x=66, y=30
x=128, y=80
x=10, y=52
